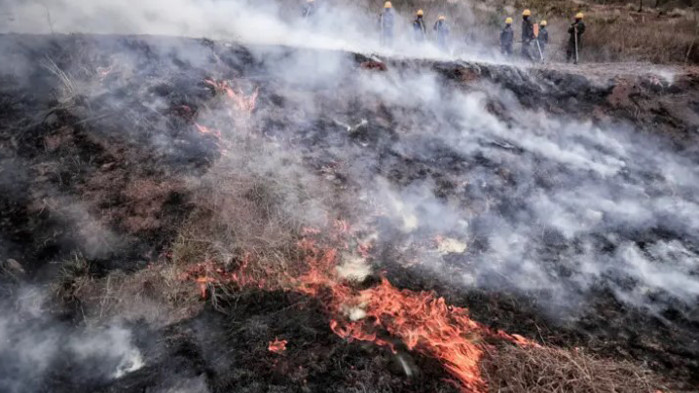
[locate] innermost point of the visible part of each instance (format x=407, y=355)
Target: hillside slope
x=140, y=174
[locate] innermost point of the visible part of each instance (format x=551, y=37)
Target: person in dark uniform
x=442, y=30
x=387, y=21
x=527, y=34
x=543, y=37
x=419, y=27
x=575, y=31
x=507, y=37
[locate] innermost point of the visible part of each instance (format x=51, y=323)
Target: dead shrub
x=516, y=369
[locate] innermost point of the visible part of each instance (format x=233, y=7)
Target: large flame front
x=380, y=314
x=424, y=323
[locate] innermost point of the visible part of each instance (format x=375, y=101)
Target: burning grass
x=381, y=314
x=246, y=236
x=243, y=237
x=479, y=358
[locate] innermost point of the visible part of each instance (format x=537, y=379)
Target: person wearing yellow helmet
x=387, y=21
x=419, y=26
x=507, y=37
x=442, y=30
x=575, y=32
x=543, y=37
x=527, y=34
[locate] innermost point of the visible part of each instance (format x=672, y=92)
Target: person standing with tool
x=575, y=31
x=442, y=30
x=507, y=37
x=387, y=21
x=527, y=34
x=419, y=27
x=543, y=37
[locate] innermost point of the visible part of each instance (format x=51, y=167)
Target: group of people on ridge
x=534, y=35
x=387, y=25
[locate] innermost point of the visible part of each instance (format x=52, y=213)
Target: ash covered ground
x=558, y=204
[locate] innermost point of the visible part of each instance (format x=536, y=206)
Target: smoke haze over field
x=556, y=205
x=34, y=342
x=337, y=26
x=541, y=204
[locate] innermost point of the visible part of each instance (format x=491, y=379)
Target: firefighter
x=507, y=37
x=419, y=27
x=527, y=34
x=576, y=30
x=387, y=21
x=309, y=9
x=543, y=37
x=442, y=30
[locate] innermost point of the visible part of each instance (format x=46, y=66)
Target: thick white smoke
x=34, y=343
x=336, y=26
x=562, y=205
x=556, y=205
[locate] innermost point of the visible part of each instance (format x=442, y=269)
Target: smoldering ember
x=276, y=196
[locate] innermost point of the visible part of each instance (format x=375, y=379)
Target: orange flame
x=422, y=321
x=103, y=72
x=203, y=283
x=277, y=346
x=207, y=130
x=425, y=323
x=241, y=101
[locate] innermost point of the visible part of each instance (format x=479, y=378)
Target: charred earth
x=559, y=204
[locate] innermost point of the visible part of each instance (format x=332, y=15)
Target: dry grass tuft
x=74, y=276
x=156, y=295
x=627, y=35
x=68, y=89
x=515, y=369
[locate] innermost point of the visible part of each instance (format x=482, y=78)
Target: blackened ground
x=228, y=352
x=604, y=93
x=101, y=173
x=82, y=173
x=607, y=327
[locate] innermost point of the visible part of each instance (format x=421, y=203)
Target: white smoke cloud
x=340, y=26
x=34, y=344
x=549, y=190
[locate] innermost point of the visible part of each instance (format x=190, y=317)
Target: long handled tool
x=575, y=34
x=541, y=54
x=536, y=38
